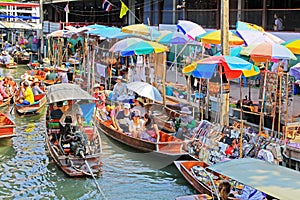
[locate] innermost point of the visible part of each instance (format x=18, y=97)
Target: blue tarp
x=88, y=110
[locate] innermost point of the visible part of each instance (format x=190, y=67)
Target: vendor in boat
x=26, y=93
x=224, y=190
x=74, y=110
x=119, y=89
x=139, y=105
x=185, y=123
x=62, y=74
x=123, y=118
x=136, y=124
x=36, y=87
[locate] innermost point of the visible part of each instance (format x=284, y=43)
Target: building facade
x=154, y=12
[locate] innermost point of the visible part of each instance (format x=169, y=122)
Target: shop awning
x=277, y=181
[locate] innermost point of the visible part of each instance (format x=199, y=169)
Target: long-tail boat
x=75, y=148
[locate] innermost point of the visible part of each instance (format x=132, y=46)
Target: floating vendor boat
x=39, y=74
x=75, y=148
x=6, y=101
x=10, y=65
x=249, y=172
x=165, y=145
x=35, y=108
x=22, y=58
x=7, y=127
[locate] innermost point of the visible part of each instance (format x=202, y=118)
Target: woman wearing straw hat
x=186, y=123
x=36, y=87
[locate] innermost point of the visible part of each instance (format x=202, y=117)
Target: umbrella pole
x=263, y=98
x=241, y=118
x=286, y=105
x=279, y=101
x=200, y=101
x=175, y=61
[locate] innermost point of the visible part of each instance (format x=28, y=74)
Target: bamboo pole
x=274, y=104
x=279, y=101
x=263, y=98
x=164, y=78
x=200, y=101
x=241, y=118
x=286, y=104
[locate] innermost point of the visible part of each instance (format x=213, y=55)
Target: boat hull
x=163, y=147
x=32, y=108
x=9, y=65
x=7, y=127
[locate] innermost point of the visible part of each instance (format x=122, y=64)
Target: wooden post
x=263, y=98
x=286, y=104
x=225, y=27
x=164, y=78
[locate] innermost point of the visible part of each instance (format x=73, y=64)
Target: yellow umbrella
x=141, y=29
x=214, y=37
x=293, y=45
x=252, y=72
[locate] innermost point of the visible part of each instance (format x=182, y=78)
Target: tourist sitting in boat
x=139, y=105
x=26, y=93
x=99, y=94
x=36, y=87
x=224, y=190
x=56, y=113
x=148, y=132
x=136, y=124
x=185, y=123
x=75, y=112
x=123, y=118
x=51, y=75
x=13, y=85
x=119, y=89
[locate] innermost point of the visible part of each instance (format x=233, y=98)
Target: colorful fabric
x=28, y=95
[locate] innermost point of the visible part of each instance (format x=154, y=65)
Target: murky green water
x=27, y=171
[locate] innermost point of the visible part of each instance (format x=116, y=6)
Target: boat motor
x=79, y=143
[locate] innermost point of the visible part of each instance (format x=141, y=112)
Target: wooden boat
x=166, y=145
x=6, y=101
x=39, y=74
x=22, y=60
x=12, y=65
x=35, y=108
x=185, y=168
x=7, y=127
x=195, y=197
x=76, y=153
x=251, y=172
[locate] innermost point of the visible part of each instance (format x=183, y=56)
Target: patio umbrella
x=190, y=29
x=293, y=45
x=123, y=44
x=143, y=47
x=252, y=33
x=263, y=52
x=109, y=32
x=141, y=29
x=205, y=68
x=295, y=71
x=58, y=33
x=145, y=90
x=173, y=38
x=214, y=37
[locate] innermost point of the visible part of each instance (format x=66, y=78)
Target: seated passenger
x=148, y=129
x=75, y=112
x=123, y=118
x=139, y=105
x=99, y=94
x=56, y=113
x=36, y=87
x=26, y=92
x=136, y=124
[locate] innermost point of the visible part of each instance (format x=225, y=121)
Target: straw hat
x=96, y=85
x=139, y=99
x=36, y=80
x=119, y=77
x=185, y=110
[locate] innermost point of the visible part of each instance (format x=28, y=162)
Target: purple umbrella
x=295, y=71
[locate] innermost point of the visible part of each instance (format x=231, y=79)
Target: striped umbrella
x=293, y=45
x=214, y=37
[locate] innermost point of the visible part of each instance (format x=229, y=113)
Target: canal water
x=28, y=172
